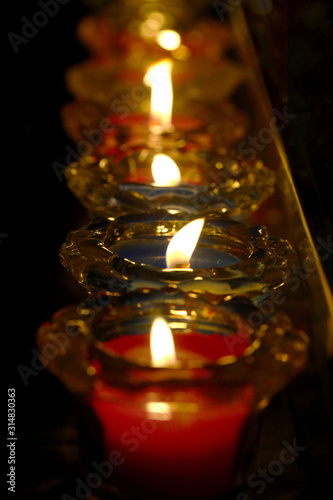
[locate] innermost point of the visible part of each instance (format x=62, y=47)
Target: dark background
x=38, y=211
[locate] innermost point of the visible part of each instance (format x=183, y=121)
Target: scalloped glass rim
x=86, y=254
x=97, y=79
x=233, y=185
x=84, y=317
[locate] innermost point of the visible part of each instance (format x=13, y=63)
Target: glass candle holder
x=209, y=180
x=133, y=13
x=181, y=430
x=106, y=81
x=102, y=35
x=128, y=253
x=197, y=126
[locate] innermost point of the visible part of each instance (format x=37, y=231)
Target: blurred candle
x=158, y=77
x=195, y=432
x=168, y=39
x=165, y=171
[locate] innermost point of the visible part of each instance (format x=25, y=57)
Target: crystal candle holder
x=132, y=13
x=106, y=81
x=186, y=132
x=196, y=126
x=128, y=253
x=197, y=418
x=102, y=35
x=209, y=180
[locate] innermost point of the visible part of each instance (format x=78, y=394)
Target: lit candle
x=193, y=433
x=230, y=258
x=161, y=129
x=102, y=35
x=182, y=245
x=163, y=171
x=174, y=404
x=181, y=253
x=158, y=77
x=168, y=39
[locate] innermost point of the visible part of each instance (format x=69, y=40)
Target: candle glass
x=131, y=12
x=196, y=126
x=198, y=417
x=209, y=180
x=103, y=35
x=119, y=85
x=127, y=253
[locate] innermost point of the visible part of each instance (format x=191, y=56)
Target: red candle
x=133, y=131
x=140, y=122
x=176, y=439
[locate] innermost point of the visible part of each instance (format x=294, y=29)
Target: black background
x=38, y=211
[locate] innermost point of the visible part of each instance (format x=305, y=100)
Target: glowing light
x=168, y=39
x=165, y=171
x=161, y=344
x=158, y=410
x=158, y=77
x=182, y=245
x=149, y=28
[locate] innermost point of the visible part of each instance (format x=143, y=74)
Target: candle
x=152, y=253
x=176, y=253
x=128, y=253
x=193, y=432
x=208, y=181
x=208, y=39
x=161, y=170
x=186, y=133
x=225, y=128
x=178, y=419
x=160, y=130
x=189, y=447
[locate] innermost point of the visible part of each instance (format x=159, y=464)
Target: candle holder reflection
x=230, y=259
x=208, y=181
x=198, y=415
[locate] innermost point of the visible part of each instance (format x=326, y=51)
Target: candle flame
x=182, y=245
x=165, y=171
x=161, y=344
x=158, y=77
x=168, y=39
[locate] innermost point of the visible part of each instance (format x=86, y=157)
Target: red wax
x=136, y=76
x=135, y=129
x=183, y=123
x=187, y=445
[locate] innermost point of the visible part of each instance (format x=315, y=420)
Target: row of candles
x=166, y=355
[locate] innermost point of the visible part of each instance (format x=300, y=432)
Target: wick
x=186, y=265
